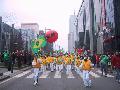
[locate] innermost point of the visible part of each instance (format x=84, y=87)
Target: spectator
x=116, y=65
x=104, y=64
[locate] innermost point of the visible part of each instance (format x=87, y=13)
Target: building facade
x=72, y=36
x=12, y=39
x=99, y=21
x=31, y=26
x=84, y=29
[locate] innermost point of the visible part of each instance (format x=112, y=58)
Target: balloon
x=51, y=36
x=37, y=44
x=35, y=50
x=42, y=41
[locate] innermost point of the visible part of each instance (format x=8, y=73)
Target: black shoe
x=105, y=75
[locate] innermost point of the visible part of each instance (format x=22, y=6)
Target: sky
x=49, y=14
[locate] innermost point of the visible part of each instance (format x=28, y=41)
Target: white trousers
x=68, y=68
x=77, y=70
x=43, y=68
x=58, y=67
x=36, y=74
x=61, y=66
x=86, y=78
x=52, y=66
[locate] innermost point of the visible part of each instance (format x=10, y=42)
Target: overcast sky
x=52, y=14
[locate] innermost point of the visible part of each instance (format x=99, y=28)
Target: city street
x=59, y=81
x=59, y=44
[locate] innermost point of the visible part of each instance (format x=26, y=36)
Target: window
x=107, y=1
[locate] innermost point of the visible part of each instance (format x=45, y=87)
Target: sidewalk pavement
x=4, y=74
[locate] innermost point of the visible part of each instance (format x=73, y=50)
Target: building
x=72, y=36
x=5, y=33
x=10, y=38
x=98, y=22
x=84, y=26
x=31, y=26
x=27, y=36
x=111, y=32
x=116, y=4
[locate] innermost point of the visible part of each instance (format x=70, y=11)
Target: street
x=59, y=81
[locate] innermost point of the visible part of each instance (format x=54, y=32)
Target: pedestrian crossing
x=45, y=74
x=71, y=74
x=9, y=73
x=108, y=75
x=57, y=74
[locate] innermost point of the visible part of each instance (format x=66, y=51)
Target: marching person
x=86, y=66
x=68, y=63
x=58, y=63
x=36, y=65
x=51, y=63
x=77, y=64
x=44, y=63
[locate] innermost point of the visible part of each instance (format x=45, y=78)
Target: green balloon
x=42, y=38
x=36, y=45
x=35, y=50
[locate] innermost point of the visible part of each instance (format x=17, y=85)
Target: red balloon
x=51, y=36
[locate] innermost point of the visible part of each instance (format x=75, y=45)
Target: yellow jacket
x=86, y=65
x=78, y=62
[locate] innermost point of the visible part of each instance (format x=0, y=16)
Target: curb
x=16, y=68
x=4, y=77
x=1, y=74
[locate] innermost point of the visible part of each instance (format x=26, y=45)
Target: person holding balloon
x=36, y=65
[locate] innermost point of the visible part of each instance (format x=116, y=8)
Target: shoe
x=89, y=86
x=105, y=75
x=35, y=83
x=86, y=86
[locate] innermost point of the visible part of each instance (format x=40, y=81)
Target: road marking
x=80, y=74
x=70, y=75
x=108, y=75
x=30, y=76
x=9, y=72
x=94, y=74
x=45, y=74
x=57, y=74
x=22, y=74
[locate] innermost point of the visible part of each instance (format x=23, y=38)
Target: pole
x=91, y=25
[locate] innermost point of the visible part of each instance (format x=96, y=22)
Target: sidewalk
x=5, y=74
